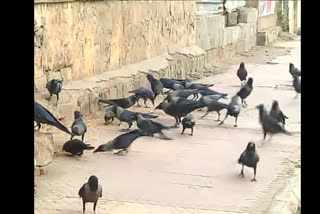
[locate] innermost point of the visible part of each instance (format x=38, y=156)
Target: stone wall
x=220, y=41
x=79, y=39
x=84, y=94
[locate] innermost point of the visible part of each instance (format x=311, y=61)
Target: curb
x=288, y=199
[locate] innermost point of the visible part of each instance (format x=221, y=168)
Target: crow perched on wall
x=54, y=86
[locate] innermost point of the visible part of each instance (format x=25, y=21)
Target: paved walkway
x=190, y=174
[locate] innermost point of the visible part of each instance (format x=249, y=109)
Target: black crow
x=297, y=85
x=293, y=70
x=76, y=147
x=54, y=86
x=242, y=73
x=156, y=85
x=90, y=193
x=185, y=93
x=144, y=94
x=245, y=91
x=215, y=105
x=171, y=84
x=42, y=115
x=121, y=142
x=150, y=126
x=79, y=126
x=249, y=158
x=109, y=115
x=123, y=102
x=190, y=85
x=234, y=109
x=188, y=123
x=276, y=112
x=127, y=116
x=207, y=91
x=179, y=109
x=269, y=124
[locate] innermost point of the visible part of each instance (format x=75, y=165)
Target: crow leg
x=183, y=128
x=175, y=125
x=145, y=103
x=242, y=102
x=223, y=119
x=191, y=131
x=129, y=126
x=241, y=173
x=57, y=99
x=94, y=207
x=236, y=122
x=82, y=138
x=39, y=125
x=179, y=120
x=72, y=135
x=120, y=151
x=48, y=98
x=245, y=102
x=138, y=103
x=83, y=207
x=254, y=172
x=218, y=116
x=264, y=134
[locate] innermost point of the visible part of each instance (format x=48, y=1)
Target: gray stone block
x=232, y=19
x=43, y=148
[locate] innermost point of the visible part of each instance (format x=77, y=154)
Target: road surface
x=190, y=174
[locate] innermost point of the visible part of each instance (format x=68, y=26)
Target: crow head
x=251, y=146
x=93, y=183
x=77, y=114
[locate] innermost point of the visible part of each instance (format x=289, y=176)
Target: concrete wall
x=265, y=21
x=79, y=39
x=294, y=16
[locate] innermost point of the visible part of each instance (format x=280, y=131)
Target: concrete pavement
x=190, y=174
